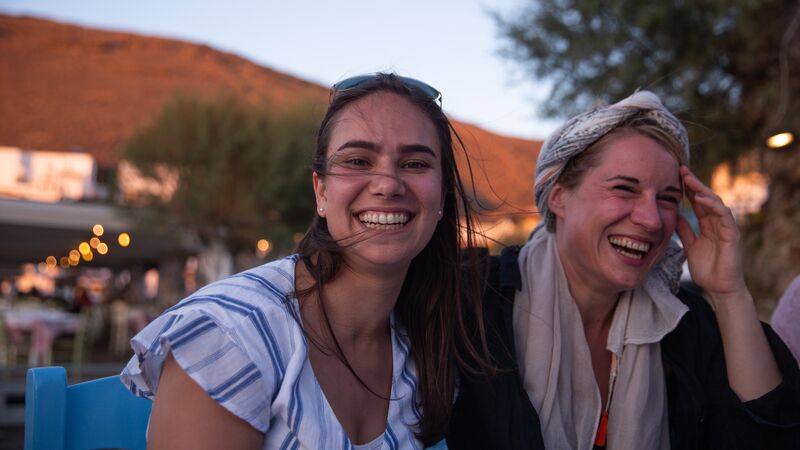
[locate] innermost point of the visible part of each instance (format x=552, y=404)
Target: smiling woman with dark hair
x=351, y=342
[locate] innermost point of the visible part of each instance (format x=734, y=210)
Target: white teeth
x=629, y=254
x=383, y=221
x=629, y=243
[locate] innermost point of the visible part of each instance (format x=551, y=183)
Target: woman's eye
x=357, y=162
x=671, y=200
x=416, y=165
x=623, y=187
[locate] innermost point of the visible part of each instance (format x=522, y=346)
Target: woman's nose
x=387, y=183
x=647, y=214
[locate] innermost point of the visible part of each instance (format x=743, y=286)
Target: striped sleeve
x=212, y=354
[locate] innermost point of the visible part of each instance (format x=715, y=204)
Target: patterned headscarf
x=583, y=130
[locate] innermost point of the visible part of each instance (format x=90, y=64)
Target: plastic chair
x=95, y=414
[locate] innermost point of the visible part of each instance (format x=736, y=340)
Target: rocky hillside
x=66, y=87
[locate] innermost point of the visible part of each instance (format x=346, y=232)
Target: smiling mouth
x=629, y=247
x=384, y=221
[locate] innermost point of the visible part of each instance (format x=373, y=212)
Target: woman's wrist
x=735, y=302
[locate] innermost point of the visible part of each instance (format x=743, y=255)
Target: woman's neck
x=357, y=305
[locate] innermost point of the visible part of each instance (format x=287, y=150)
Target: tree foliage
x=244, y=171
x=715, y=62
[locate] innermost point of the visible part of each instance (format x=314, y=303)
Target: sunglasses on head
x=410, y=83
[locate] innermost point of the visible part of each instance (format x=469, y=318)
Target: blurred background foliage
x=243, y=170
x=714, y=62
x=730, y=69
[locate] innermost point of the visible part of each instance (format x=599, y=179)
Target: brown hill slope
x=66, y=87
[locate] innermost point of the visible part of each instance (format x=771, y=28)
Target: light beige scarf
x=556, y=365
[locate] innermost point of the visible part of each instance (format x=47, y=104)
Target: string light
x=263, y=247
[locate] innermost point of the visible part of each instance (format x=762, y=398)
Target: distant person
x=352, y=342
x=80, y=299
x=786, y=317
x=609, y=352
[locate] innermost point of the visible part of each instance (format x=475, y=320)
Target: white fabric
x=786, y=317
x=556, y=365
x=375, y=444
x=237, y=339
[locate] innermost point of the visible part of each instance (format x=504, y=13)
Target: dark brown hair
x=441, y=288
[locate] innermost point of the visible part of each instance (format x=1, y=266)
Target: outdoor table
x=44, y=326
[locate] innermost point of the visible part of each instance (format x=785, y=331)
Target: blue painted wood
x=45, y=408
x=95, y=414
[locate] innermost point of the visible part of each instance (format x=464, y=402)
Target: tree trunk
x=772, y=238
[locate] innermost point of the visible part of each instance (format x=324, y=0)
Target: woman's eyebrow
x=366, y=145
x=417, y=148
x=635, y=180
x=624, y=178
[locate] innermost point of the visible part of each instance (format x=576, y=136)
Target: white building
x=47, y=176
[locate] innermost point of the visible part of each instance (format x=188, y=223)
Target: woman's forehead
x=638, y=154
x=384, y=117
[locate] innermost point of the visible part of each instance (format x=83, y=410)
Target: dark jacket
x=494, y=412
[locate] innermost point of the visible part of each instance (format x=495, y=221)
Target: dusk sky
x=450, y=44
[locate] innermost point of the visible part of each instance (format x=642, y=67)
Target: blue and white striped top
x=237, y=339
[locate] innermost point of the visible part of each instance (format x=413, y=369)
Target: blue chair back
x=94, y=414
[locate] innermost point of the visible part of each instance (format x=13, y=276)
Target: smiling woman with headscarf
x=604, y=350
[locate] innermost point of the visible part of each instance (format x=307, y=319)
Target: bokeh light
x=102, y=248
x=780, y=140
x=263, y=247
x=98, y=230
x=124, y=239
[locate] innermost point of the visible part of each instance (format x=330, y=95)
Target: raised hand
x=715, y=262
x=714, y=255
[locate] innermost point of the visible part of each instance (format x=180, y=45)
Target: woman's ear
x=319, y=193
x=556, y=200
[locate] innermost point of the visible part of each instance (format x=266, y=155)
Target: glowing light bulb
x=780, y=140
